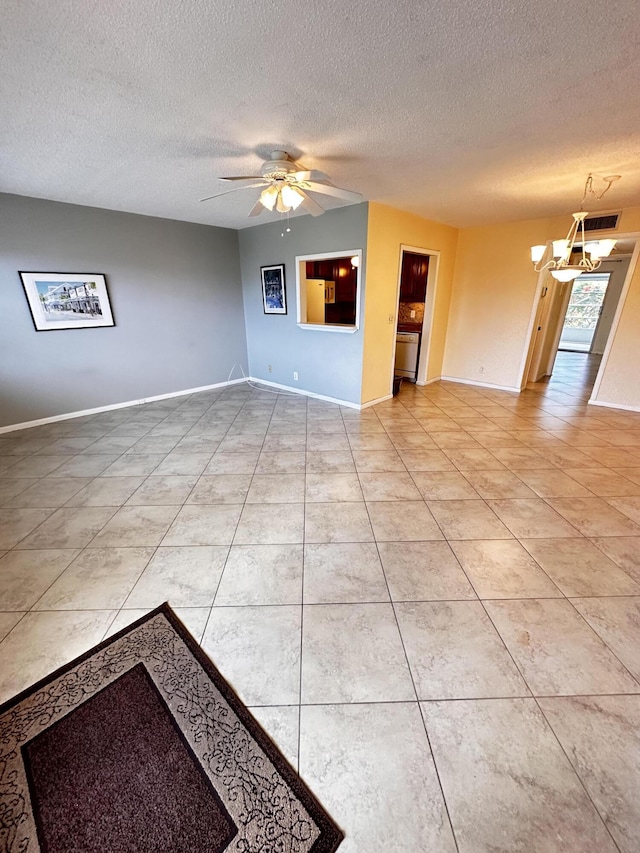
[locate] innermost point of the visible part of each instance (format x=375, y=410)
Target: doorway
x=416, y=293
x=586, y=299
x=414, y=269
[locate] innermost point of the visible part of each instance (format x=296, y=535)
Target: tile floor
x=432, y=605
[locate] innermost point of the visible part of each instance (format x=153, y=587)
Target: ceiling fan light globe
x=281, y=207
x=291, y=196
x=269, y=197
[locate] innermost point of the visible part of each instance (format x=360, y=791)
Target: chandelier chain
x=589, y=190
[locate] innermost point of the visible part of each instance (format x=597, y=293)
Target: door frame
x=427, y=323
x=535, y=320
x=617, y=258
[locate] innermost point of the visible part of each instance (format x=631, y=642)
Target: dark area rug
x=141, y=745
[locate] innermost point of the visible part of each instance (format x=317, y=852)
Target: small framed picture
x=67, y=300
x=274, y=297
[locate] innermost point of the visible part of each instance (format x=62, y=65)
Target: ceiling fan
x=287, y=186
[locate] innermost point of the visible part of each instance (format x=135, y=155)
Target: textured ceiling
x=465, y=112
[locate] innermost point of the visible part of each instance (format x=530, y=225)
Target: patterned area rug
x=141, y=745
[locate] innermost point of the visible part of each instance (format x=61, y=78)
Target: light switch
x=413, y=314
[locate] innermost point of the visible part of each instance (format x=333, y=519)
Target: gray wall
x=327, y=363
x=175, y=293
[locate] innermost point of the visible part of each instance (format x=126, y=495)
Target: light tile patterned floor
x=433, y=605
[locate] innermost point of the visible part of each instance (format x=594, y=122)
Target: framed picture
x=62, y=300
x=274, y=297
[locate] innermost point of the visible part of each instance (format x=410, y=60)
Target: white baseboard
x=430, y=381
x=614, y=406
x=83, y=413
x=481, y=384
x=69, y=415
x=304, y=393
x=375, y=402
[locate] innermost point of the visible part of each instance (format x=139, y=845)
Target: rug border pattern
x=329, y=836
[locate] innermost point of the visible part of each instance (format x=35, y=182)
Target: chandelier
x=560, y=263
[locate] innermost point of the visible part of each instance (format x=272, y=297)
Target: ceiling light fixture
x=286, y=186
x=355, y=261
x=282, y=196
x=269, y=197
x=291, y=196
x=559, y=264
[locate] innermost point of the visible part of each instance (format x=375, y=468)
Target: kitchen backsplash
x=405, y=309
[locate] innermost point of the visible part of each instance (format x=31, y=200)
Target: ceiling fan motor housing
x=279, y=166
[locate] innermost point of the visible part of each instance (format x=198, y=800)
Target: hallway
x=574, y=374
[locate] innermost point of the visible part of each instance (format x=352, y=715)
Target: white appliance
x=407, y=346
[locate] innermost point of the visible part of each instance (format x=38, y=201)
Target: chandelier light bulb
x=566, y=274
x=561, y=249
x=606, y=247
x=593, y=248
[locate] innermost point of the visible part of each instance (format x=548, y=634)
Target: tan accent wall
x=388, y=229
x=493, y=296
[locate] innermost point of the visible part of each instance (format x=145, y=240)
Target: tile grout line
x=244, y=504
x=535, y=699
x=415, y=691
x=155, y=551
x=162, y=420
x=302, y=604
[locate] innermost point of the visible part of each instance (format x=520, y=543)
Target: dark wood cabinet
x=413, y=280
x=345, y=277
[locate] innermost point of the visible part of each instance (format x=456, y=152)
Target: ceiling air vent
x=603, y=222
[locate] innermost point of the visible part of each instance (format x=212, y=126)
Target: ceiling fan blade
x=311, y=206
x=242, y=178
x=337, y=192
x=235, y=190
x=313, y=175
x=257, y=209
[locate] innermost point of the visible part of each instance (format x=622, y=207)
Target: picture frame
x=274, y=296
x=63, y=300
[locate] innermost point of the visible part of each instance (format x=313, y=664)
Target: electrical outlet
x=481, y=370
x=413, y=314
x=295, y=375
x=269, y=368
